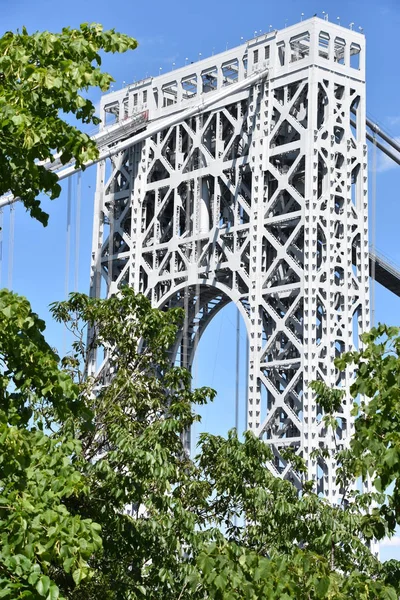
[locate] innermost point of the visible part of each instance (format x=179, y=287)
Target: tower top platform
x=313, y=42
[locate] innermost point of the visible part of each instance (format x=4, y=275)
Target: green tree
x=374, y=450
x=135, y=455
x=221, y=526
x=97, y=489
x=42, y=77
x=40, y=540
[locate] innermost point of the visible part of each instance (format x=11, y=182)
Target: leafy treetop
x=219, y=526
x=41, y=80
x=100, y=500
x=40, y=538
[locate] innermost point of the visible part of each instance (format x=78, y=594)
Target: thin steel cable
x=235, y=519
x=237, y=370
x=1, y=245
x=68, y=237
x=195, y=367
x=247, y=379
x=184, y=343
x=77, y=229
x=67, y=255
x=373, y=230
x=185, y=349
x=11, y=246
x=115, y=164
x=222, y=319
x=198, y=303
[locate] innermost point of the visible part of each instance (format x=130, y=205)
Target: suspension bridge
x=243, y=178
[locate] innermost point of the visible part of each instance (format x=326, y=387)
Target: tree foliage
x=100, y=499
x=42, y=77
x=135, y=457
x=221, y=526
x=375, y=446
x=40, y=538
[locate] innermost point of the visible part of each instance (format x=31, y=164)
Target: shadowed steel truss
x=258, y=199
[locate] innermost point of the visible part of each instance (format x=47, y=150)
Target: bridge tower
x=246, y=182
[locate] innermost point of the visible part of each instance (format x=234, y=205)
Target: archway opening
x=213, y=344
x=220, y=362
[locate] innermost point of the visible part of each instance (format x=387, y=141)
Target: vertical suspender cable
x=197, y=292
x=68, y=241
x=11, y=246
x=77, y=229
x=247, y=379
x=67, y=254
x=197, y=307
x=237, y=370
x=373, y=232
x=235, y=520
x=111, y=247
x=1, y=244
x=184, y=343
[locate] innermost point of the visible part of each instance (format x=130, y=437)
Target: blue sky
x=168, y=33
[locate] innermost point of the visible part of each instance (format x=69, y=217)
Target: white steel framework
x=247, y=184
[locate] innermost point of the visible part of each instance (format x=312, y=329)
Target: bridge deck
x=386, y=273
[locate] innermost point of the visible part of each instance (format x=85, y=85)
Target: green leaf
x=220, y=581
x=78, y=575
x=43, y=585
x=206, y=563
x=54, y=593
x=390, y=594
x=322, y=587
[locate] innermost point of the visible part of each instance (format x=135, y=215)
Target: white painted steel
x=115, y=138
x=253, y=191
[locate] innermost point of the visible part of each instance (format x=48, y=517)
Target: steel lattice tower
x=249, y=185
